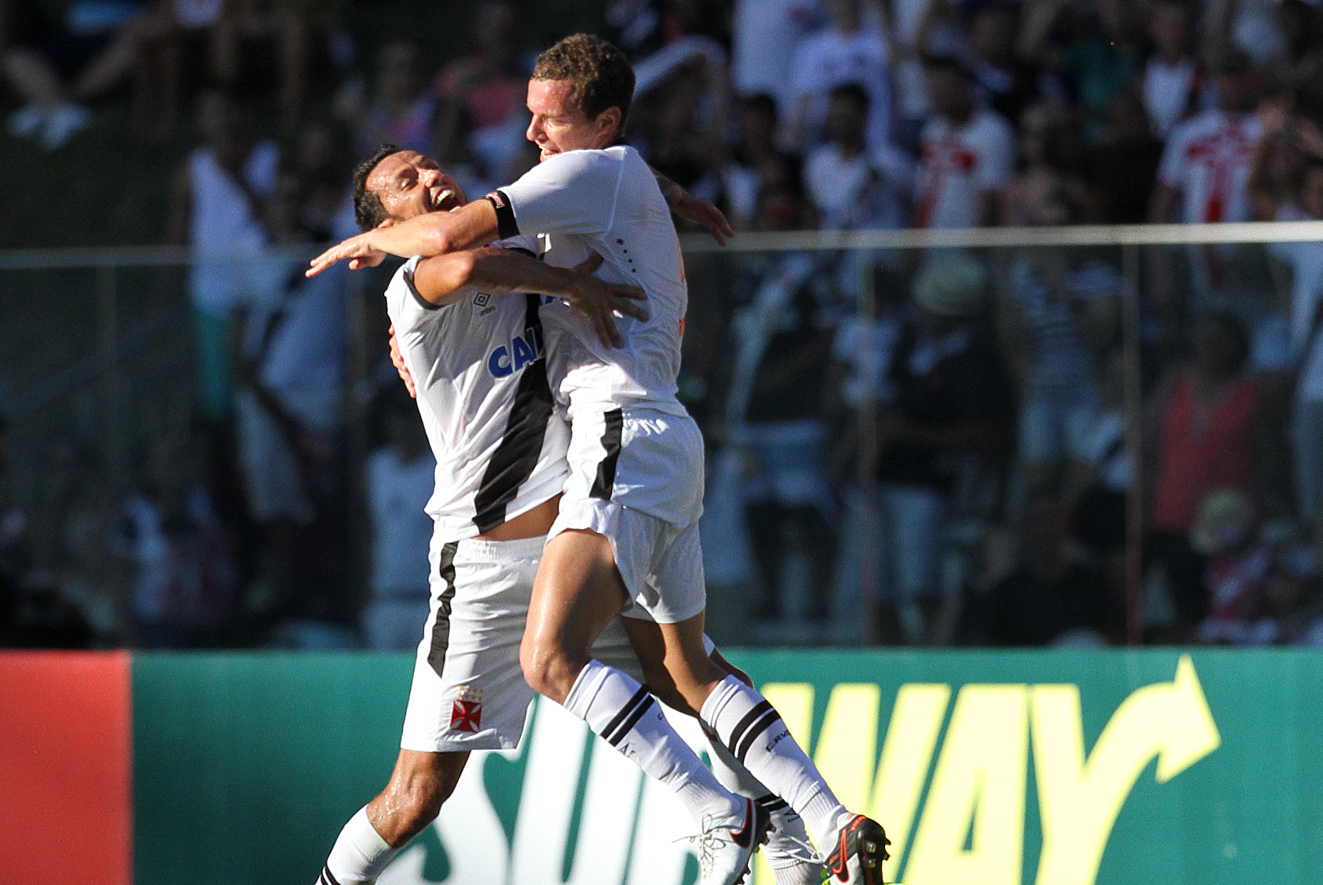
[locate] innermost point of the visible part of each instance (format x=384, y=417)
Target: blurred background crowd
x=905, y=447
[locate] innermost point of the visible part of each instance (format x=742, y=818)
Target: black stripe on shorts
x=436, y=655
x=606, y=469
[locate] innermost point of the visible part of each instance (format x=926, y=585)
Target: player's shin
x=625, y=715
x=752, y=730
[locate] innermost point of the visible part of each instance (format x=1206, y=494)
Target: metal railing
x=132, y=348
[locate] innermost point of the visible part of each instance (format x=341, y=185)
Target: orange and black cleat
x=859, y=852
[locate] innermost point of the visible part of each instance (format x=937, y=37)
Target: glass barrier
x=999, y=437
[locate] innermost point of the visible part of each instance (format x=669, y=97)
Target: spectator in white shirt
x=851, y=49
x=399, y=482
x=764, y=36
x=851, y=185
x=754, y=159
x=1172, y=78
x=1206, y=165
x=968, y=153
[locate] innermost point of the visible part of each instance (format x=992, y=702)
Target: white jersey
x=960, y=163
x=1208, y=159
x=607, y=201
x=479, y=367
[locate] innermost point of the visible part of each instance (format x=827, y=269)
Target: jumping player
x=626, y=538
x=487, y=406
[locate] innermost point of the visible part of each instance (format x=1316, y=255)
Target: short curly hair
x=599, y=74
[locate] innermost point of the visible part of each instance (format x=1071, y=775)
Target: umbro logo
x=482, y=299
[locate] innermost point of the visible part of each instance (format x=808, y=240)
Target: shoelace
x=708, y=841
x=813, y=856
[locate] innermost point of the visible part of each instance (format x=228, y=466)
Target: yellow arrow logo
x=1079, y=800
x=971, y=825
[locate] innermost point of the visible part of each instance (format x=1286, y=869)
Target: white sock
x=788, y=845
x=752, y=730
x=359, y=854
x=626, y=716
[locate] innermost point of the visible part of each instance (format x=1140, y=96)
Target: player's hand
x=358, y=250
x=704, y=212
x=397, y=360
x=599, y=301
x=589, y=265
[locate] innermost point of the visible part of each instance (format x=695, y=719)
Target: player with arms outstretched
x=486, y=403
x=626, y=538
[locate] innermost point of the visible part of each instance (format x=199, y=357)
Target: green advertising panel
x=995, y=768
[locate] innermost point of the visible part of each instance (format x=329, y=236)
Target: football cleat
x=860, y=849
x=726, y=846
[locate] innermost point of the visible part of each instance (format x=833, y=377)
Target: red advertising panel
x=65, y=768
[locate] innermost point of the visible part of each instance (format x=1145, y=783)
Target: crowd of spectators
x=955, y=466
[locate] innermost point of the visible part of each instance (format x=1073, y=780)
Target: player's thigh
x=576, y=594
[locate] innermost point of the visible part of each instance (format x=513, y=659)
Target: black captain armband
x=506, y=226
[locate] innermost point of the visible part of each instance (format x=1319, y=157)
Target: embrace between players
x=566, y=557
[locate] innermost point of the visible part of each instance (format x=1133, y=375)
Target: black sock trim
x=737, y=734
x=758, y=728
x=621, y=723
x=634, y=718
x=326, y=874
x=772, y=803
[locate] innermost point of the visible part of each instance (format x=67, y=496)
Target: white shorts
x=643, y=459
x=661, y=564
x=636, y=477
x=468, y=690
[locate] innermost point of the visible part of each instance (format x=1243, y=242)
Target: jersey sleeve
x=570, y=193
x=408, y=310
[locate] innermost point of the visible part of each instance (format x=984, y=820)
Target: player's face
x=409, y=184
x=560, y=125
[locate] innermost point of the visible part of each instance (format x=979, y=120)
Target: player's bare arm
x=443, y=279
x=699, y=210
x=434, y=233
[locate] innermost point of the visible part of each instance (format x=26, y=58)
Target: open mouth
x=444, y=200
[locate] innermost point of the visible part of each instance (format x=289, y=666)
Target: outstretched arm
x=699, y=210
x=444, y=279
x=436, y=233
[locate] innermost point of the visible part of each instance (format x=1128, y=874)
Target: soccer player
x=488, y=409
x=626, y=537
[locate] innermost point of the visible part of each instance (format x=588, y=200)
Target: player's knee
x=547, y=669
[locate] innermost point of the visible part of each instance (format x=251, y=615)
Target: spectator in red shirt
x=1206, y=415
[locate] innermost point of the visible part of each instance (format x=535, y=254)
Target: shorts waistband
x=641, y=411
x=488, y=551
